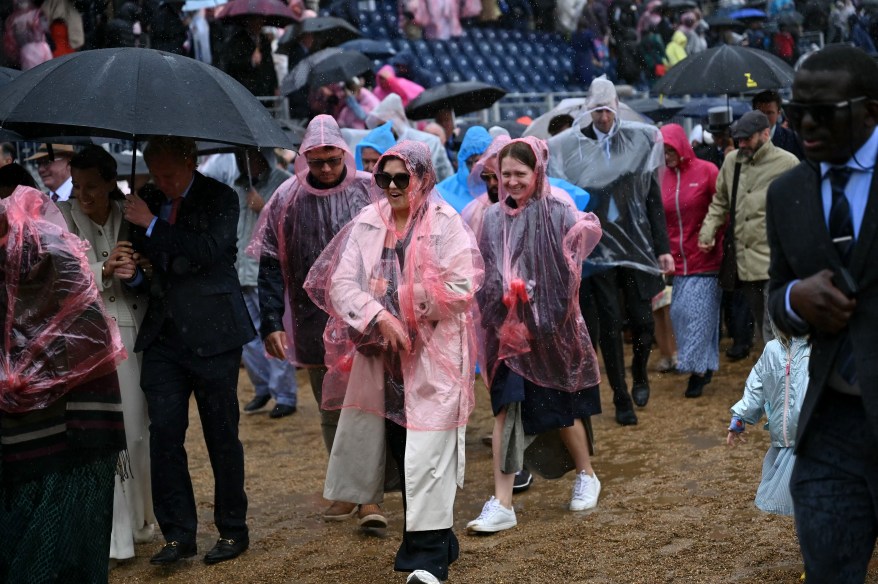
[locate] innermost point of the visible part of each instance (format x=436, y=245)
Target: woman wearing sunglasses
x=540, y=362
x=398, y=283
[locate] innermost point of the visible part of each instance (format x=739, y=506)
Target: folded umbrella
x=274, y=12
x=340, y=67
x=462, y=97
x=723, y=70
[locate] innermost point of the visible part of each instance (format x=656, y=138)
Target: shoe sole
x=524, y=487
x=492, y=529
x=373, y=521
x=573, y=507
x=278, y=417
x=340, y=517
x=214, y=562
x=182, y=557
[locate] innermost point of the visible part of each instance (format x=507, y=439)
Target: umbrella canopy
x=7, y=75
x=717, y=21
x=659, y=110
x=135, y=93
x=748, y=14
x=573, y=106
x=194, y=5
x=681, y=4
x=340, y=67
x=298, y=77
x=328, y=31
x=274, y=12
x=790, y=18
x=698, y=108
x=723, y=70
x=371, y=48
x=462, y=98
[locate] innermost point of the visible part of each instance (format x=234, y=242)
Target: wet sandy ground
x=676, y=506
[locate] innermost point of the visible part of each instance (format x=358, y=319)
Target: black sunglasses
x=320, y=162
x=822, y=113
x=486, y=176
x=383, y=180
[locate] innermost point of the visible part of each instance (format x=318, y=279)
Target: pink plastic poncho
x=56, y=334
x=422, y=280
x=529, y=304
x=299, y=221
x=387, y=82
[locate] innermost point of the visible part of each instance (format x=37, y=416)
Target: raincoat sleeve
x=358, y=307
x=751, y=407
x=264, y=246
x=718, y=211
x=493, y=312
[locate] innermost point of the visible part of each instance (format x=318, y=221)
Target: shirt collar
x=64, y=190
x=864, y=156
x=186, y=192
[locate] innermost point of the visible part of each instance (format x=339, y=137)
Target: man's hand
x=254, y=201
x=706, y=247
x=120, y=262
x=256, y=58
x=666, y=263
x=820, y=303
x=276, y=344
x=393, y=332
x=137, y=212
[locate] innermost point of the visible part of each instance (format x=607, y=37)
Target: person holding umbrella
x=248, y=57
x=303, y=216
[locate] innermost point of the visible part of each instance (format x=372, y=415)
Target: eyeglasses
x=821, y=113
x=488, y=176
x=320, y=162
x=46, y=161
x=383, y=180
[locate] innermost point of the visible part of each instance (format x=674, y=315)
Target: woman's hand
x=393, y=332
x=120, y=263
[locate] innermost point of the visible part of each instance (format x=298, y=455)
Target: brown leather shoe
x=370, y=516
x=339, y=511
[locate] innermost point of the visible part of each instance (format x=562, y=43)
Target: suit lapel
x=867, y=231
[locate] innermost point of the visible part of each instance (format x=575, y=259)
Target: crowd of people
x=396, y=268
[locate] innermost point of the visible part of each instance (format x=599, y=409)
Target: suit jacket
x=800, y=247
x=786, y=139
x=194, y=282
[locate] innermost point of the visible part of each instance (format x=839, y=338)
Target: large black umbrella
x=135, y=93
x=297, y=78
x=340, y=67
x=724, y=70
x=7, y=75
x=328, y=31
x=371, y=48
x=463, y=97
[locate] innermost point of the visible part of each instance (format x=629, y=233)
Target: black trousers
x=171, y=373
x=738, y=319
x=432, y=550
x=602, y=296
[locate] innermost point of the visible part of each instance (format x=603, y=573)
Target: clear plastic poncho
x=299, y=221
x=56, y=334
x=420, y=280
x=529, y=303
x=474, y=212
x=618, y=172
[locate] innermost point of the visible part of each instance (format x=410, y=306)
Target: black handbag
x=728, y=271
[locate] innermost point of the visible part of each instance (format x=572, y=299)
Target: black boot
x=697, y=383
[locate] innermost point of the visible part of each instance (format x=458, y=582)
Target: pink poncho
x=529, y=303
x=56, y=334
x=423, y=280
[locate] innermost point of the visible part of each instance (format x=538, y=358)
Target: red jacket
x=686, y=194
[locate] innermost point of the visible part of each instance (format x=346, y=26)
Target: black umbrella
x=371, y=48
x=135, y=93
x=328, y=31
x=7, y=75
x=463, y=97
x=273, y=12
x=681, y=4
x=340, y=67
x=658, y=110
x=298, y=77
x=724, y=70
x=716, y=22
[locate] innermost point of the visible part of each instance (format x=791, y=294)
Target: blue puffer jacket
x=776, y=387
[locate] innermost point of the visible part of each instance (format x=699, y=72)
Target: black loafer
x=281, y=410
x=171, y=552
x=226, y=549
x=640, y=395
x=737, y=352
x=626, y=417
x=256, y=404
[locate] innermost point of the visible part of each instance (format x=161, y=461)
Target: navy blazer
x=194, y=282
x=801, y=247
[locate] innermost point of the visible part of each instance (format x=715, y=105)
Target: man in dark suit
x=191, y=338
x=822, y=220
x=770, y=103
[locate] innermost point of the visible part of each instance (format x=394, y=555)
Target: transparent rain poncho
x=56, y=334
x=474, y=212
x=297, y=224
x=618, y=172
x=529, y=303
x=420, y=280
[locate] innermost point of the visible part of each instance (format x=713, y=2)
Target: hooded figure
x=387, y=83
x=455, y=189
x=379, y=139
x=676, y=49
x=392, y=110
x=399, y=283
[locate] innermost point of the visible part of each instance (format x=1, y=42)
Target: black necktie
x=841, y=230
x=841, y=225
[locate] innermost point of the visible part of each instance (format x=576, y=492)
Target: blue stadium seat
x=474, y=33
x=503, y=35
x=516, y=35
x=490, y=34
x=438, y=78
x=467, y=47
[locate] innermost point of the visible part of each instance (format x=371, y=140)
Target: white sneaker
x=585, y=492
x=422, y=577
x=494, y=517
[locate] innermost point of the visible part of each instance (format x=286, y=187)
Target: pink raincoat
x=387, y=82
x=56, y=334
x=425, y=277
x=348, y=118
x=440, y=19
x=529, y=303
x=298, y=222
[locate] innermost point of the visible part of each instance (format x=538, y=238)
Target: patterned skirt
x=695, y=309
